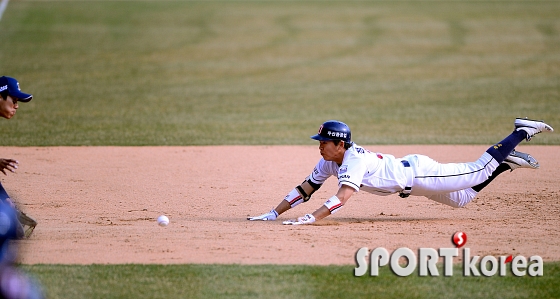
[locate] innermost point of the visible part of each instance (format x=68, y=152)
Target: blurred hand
x=8, y=164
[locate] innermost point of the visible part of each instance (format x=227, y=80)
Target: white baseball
x=163, y=220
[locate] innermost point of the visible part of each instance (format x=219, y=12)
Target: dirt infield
x=100, y=204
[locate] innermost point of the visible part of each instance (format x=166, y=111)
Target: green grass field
x=262, y=281
x=270, y=72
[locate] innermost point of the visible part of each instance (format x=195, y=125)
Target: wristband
x=333, y=204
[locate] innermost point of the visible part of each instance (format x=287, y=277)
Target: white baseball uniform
x=418, y=175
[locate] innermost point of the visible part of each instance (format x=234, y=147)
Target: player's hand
x=270, y=216
x=8, y=164
x=307, y=219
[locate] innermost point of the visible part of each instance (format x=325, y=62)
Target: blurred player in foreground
x=10, y=95
x=453, y=184
x=14, y=284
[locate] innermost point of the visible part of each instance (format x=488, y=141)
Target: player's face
x=331, y=152
x=8, y=107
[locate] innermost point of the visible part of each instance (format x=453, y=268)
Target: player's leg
x=525, y=129
x=436, y=178
x=432, y=177
x=460, y=198
x=504, y=151
x=516, y=159
x=456, y=199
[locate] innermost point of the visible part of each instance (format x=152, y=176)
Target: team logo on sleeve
x=343, y=169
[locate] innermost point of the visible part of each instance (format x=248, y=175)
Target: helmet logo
x=337, y=134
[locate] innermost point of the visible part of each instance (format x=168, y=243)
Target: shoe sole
x=522, y=160
x=523, y=164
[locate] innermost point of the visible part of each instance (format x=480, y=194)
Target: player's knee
x=456, y=199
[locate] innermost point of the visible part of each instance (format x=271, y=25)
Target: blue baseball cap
x=12, y=86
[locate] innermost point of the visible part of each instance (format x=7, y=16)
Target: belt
x=409, y=177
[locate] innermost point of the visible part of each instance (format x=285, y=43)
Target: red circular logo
x=459, y=239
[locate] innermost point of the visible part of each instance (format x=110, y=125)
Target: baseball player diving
x=453, y=184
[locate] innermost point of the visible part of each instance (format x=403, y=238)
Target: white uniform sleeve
x=351, y=173
x=322, y=171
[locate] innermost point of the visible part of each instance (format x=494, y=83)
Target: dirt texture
x=99, y=205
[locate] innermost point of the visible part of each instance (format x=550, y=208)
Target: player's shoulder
x=357, y=151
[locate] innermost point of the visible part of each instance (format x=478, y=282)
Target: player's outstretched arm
x=332, y=205
x=299, y=194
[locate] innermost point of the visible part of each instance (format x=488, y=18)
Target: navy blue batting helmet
x=333, y=130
